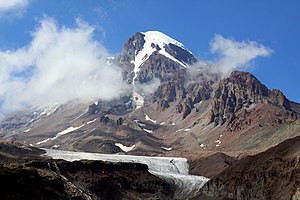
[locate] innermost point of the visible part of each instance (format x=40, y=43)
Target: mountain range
x=177, y=105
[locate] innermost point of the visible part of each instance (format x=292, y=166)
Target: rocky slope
x=273, y=174
x=203, y=165
x=242, y=90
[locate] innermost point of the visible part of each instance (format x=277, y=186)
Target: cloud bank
x=231, y=55
x=58, y=65
x=12, y=5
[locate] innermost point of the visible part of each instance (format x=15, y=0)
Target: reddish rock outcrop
x=241, y=90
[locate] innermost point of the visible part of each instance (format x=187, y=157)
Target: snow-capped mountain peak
x=156, y=41
x=161, y=39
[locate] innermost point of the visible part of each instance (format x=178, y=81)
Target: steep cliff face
x=185, y=96
x=273, y=174
x=131, y=48
x=167, y=93
x=157, y=66
x=241, y=90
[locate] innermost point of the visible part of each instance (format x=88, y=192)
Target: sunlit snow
x=124, y=148
x=92, y=121
x=27, y=130
x=167, y=148
x=44, y=141
x=147, y=118
x=66, y=131
x=148, y=130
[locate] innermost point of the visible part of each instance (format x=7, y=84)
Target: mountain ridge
x=192, y=110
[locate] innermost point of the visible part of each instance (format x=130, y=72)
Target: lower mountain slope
x=273, y=174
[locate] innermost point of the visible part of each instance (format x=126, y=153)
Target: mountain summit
x=144, y=53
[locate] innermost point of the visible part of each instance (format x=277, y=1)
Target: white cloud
x=149, y=88
x=234, y=55
x=12, y=5
x=60, y=64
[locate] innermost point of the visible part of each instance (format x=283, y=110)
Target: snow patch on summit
x=155, y=39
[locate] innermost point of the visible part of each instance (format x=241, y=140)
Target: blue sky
x=271, y=23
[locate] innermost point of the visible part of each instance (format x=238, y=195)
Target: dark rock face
x=104, y=119
x=186, y=97
x=130, y=50
x=120, y=121
x=180, y=54
x=273, y=174
x=28, y=184
x=167, y=93
x=118, y=107
x=240, y=90
x=195, y=93
x=159, y=67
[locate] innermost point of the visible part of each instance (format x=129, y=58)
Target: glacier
x=174, y=170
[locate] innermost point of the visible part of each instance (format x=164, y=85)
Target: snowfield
x=66, y=131
x=173, y=170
